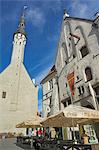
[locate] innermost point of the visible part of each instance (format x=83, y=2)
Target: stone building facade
x=78, y=59
x=77, y=63
x=18, y=94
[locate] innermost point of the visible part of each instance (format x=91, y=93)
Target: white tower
x=18, y=94
x=19, y=43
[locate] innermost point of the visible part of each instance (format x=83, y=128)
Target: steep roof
x=80, y=19
x=52, y=71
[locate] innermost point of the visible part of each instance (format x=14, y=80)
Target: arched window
x=88, y=74
x=84, y=51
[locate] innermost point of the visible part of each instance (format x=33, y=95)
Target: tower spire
x=21, y=26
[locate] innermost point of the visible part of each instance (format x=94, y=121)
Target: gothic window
x=88, y=74
x=84, y=51
x=3, y=94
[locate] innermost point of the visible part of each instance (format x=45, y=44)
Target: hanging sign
x=70, y=79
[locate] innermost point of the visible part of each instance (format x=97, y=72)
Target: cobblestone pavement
x=10, y=144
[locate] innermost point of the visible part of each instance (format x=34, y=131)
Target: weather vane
x=24, y=10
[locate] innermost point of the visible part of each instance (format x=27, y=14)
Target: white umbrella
x=71, y=116
x=31, y=123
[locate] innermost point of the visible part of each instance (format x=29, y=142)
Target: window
x=64, y=104
x=50, y=84
x=97, y=93
x=65, y=62
x=50, y=101
x=77, y=77
x=88, y=74
x=84, y=51
x=66, y=84
x=3, y=94
x=81, y=90
x=69, y=101
x=27, y=131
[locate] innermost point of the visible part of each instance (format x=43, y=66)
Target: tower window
x=3, y=94
x=84, y=51
x=88, y=74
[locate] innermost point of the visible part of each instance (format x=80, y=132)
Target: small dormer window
x=84, y=51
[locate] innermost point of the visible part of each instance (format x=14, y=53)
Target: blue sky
x=43, y=25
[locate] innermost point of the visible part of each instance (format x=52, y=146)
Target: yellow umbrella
x=31, y=123
x=71, y=116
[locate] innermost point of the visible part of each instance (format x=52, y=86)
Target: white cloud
x=84, y=9
x=36, y=16
x=79, y=9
